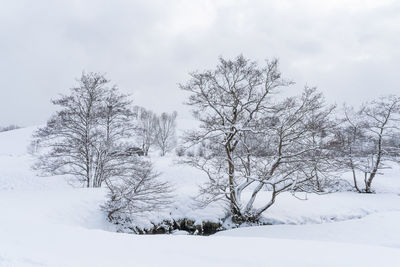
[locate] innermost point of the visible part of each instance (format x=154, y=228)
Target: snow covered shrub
x=180, y=151
x=190, y=153
x=135, y=191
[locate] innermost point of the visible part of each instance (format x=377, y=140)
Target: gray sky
x=350, y=49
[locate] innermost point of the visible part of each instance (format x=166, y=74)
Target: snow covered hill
x=44, y=221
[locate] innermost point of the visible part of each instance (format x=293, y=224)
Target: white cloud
x=347, y=48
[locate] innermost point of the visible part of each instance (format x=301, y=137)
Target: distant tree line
x=9, y=128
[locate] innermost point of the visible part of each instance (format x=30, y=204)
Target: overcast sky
x=349, y=49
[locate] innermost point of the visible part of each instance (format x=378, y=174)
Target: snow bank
x=46, y=222
x=58, y=246
x=377, y=229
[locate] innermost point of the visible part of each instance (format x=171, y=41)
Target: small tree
x=365, y=140
x=145, y=128
x=165, y=136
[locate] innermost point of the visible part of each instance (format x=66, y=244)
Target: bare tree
x=88, y=137
x=252, y=143
x=71, y=136
x=226, y=102
x=165, y=136
x=145, y=123
x=366, y=139
x=349, y=143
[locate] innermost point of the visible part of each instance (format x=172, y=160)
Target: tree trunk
x=355, y=181
x=368, y=182
x=234, y=207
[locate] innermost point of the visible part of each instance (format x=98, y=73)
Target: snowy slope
x=47, y=222
x=60, y=246
x=376, y=229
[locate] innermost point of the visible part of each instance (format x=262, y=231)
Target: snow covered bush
x=135, y=191
x=180, y=151
x=254, y=141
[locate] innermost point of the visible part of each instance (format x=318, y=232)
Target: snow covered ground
x=47, y=222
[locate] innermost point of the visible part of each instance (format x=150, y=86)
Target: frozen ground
x=46, y=222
